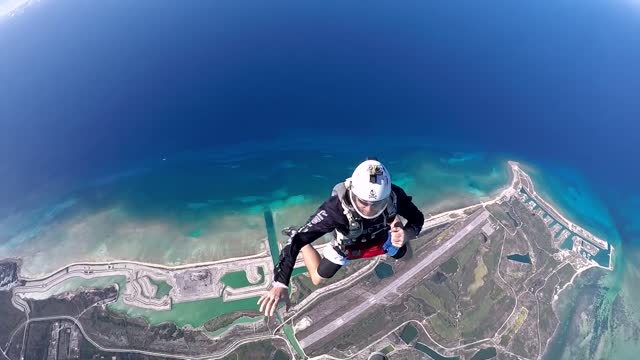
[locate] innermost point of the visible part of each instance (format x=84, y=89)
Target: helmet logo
x=374, y=172
x=372, y=194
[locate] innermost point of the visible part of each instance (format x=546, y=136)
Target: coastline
x=495, y=196
x=538, y=175
x=112, y=233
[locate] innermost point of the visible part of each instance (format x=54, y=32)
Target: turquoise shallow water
x=205, y=206
x=571, y=193
x=600, y=315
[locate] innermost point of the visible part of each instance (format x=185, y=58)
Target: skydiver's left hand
x=397, y=233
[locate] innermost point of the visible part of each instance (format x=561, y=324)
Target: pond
x=163, y=288
x=484, y=354
x=238, y=279
x=450, y=266
x=383, y=270
x=434, y=355
x=408, y=333
x=520, y=258
x=439, y=278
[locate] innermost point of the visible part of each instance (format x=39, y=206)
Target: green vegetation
x=281, y=355
x=443, y=326
x=442, y=236
x=504, y=340
x=430, y=352
x=496, y=293
x=515, y=222
x=241, y=320
x=389, y=348
x=474, y=320
x=383, y=270
x=450, y=266
x=518, y=345
x=492, y=257
x=468, y=251
x=424, y=293
x=225, y=320
x=479, y=273
x=360, y=331
x=484, y=354
x=566, y=273
x=11, y=316
x=520, y=319
x=500, y=212
x=408, y=333
x=253, y=350
x=305, y=287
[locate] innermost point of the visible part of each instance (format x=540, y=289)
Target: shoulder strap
x=392, y=206
x=355, y=221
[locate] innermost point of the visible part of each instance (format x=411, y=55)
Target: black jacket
x=330, y=217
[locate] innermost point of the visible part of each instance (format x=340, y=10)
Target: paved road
x=392, y=287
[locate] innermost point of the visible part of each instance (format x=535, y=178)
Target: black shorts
x=326, y=269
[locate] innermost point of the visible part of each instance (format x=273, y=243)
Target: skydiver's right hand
x=269, y=301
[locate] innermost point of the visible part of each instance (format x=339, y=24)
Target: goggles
x=368, y=209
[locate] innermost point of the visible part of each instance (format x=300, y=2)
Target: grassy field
x=520, y=319
x=474, y=321
x=424, y=293
x=443, y=327
x=361, y=331
x=389, y=348
x=464, y=256
x=479, y=273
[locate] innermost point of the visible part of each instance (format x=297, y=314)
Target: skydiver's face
x=369, y=209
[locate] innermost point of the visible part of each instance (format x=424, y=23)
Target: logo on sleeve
x=319, y=217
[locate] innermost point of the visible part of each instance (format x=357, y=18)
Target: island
x=479, y=282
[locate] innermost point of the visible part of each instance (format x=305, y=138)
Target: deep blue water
x=89, y=86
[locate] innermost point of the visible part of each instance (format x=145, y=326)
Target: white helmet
x=369, y=188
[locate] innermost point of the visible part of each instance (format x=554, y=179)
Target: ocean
x=168, y=123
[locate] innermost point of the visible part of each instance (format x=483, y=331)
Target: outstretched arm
x=322, y=222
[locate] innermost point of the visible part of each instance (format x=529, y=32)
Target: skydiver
x=362, y=215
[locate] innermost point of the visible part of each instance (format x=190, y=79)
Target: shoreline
x=151, y=265
x=432, y=205
x=548, y=196
x=495, y=197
